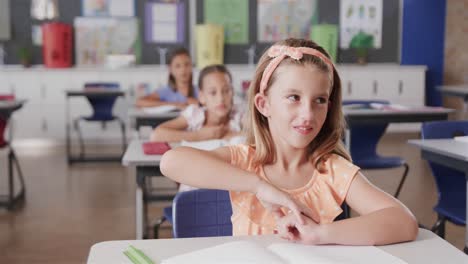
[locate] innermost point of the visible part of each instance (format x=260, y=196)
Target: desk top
x=409, y=115
x=428, y=248
x=11, y=105
x=134, y=155
x=139, y=113
x=455, y=90
x=448, y=147
x=95, y=92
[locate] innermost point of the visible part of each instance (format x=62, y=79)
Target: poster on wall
x=279, y=19
x=360, y=16
x=95, y=38
x=165, y=22
x=108, y=8
x=233, y=15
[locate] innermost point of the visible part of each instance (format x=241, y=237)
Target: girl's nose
x=306, y=112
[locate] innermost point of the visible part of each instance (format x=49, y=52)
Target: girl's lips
x=303, y=130
x=221, y=107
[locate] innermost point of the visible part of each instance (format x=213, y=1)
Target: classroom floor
x=68, y=209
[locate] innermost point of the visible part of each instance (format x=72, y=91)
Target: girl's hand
x=308, y=233
x=191, y=100
x=212, y=132
x=180, y=106
x=273, y=199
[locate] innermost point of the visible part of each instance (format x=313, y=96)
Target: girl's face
x=216, y=94
x=181, y=68
x=296, y=105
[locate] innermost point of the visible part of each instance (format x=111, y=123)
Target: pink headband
x=279, y=52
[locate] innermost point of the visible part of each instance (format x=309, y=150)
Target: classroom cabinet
x=44, y=115
x=398, y=84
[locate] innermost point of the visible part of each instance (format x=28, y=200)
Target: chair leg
x=402, y=181
x=12, y=198
x=80, y=137
x=157, y=225
x=124, y=136
x=439, y=226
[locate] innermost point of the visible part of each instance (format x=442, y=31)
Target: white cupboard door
x=411, y=87
x=54, y=84
x=360, y=86
x=28, y=121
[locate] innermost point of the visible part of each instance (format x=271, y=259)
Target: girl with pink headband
x=293, y=174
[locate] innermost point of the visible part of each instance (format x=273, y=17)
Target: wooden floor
x=68, y=209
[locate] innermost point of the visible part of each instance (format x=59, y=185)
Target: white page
x=233, y=252
x=204, y=144
x=159, y=109
x=302, y=254
x=461, y=138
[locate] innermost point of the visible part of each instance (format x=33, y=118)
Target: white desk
x=145, y=166
x=427, y=249
x=448, y=152
x=458, y=91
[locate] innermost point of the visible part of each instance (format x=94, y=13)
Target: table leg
x=67, y=129
x=466, y=215
x=139, y=217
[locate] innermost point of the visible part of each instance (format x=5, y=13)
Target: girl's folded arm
x=174, y=130
x=207, y=169
x=383, y=219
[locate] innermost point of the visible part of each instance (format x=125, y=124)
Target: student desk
x=428, y=248
x=456, y=90
x=141, y=118
x=145, y=166
x=7, y=107
x=410, y=115
x=89, y=93
x=448, y=152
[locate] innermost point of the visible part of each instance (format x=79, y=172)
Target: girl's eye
x=293, y=98
x=321, y=100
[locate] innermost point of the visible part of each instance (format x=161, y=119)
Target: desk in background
x=140, y=118
x=145, y=166
x=410, y=115
x=427, y=248
x=89, y=93
x=458, y=91
x=448, y=152
x=7, y=107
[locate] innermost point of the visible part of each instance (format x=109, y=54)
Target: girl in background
x=216, y=118
x=179, y=91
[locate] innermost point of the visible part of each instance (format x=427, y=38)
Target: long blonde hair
x=327, y=141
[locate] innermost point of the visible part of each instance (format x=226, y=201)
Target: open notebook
x=281, y=253
x=159, y=109
x=213, y=143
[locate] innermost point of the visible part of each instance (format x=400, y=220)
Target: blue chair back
x=451, y=184
x=365, y=138
x=202, y=213
x=102, y=107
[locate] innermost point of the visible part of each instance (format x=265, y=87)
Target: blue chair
x=200, y=213
x=450, y=183
x=102, y=112
x=364, y=139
